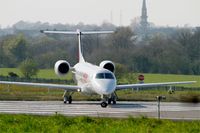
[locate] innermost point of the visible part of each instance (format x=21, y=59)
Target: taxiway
x=185, y=111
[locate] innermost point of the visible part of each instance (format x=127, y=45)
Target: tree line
x=177, y=52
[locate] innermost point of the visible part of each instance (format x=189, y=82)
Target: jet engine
x=61, y=67
x=109, y=65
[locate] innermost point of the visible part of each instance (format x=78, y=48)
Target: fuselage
x=93, y=79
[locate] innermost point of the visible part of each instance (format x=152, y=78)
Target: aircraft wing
x=127, y=86
x=45, y=85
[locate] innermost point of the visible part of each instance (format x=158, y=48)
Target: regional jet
x=91, y=79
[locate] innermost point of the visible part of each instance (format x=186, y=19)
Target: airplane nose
x=106, y=87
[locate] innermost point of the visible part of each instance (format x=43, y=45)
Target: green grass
x=5, y=71
x=13, y=92
x=150, y=95
x=149, y=78
x=155, y=78
x=43, y=73
x=62, y=124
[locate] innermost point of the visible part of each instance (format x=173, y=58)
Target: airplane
x=91, y=79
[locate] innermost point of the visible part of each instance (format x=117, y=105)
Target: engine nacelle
x=61, y=67
x=109, y=65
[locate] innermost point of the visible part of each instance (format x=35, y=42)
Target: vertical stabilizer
x=80, y=55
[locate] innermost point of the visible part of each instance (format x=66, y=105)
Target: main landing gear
x=111, y=99
x=67, y=97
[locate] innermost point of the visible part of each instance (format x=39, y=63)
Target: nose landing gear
x=104, y=104
x=112, y=98
x=104, y=101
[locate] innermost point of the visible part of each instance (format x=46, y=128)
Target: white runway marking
x=93, y=108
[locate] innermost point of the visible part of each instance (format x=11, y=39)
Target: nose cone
x=105, y=87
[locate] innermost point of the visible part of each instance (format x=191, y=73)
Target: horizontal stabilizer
x=78, y=32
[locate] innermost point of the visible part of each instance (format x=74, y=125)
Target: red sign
x=141, y=77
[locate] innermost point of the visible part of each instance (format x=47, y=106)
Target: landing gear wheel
x=65, y=100
x=114, y=102
x=70, y=99
x=104, y=104
x=112, y=99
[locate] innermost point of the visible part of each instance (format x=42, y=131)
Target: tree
x=19, y=49
x=120, y=70
x=15, y=49
x=195, y=67
x=123, y=38
x=28, y=68
x=2, y=56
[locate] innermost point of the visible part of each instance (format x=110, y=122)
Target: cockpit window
x=104, y=76
x=109, y=76
x=100, y=76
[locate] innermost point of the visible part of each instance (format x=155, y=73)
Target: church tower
x=144, y=22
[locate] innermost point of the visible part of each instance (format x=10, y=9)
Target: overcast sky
x=160, y=12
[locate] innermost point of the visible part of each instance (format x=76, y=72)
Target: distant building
x=146, y=30
x=140, y=25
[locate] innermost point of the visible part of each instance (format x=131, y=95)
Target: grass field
x=13, y=92
x=43, y=73
x=149, y=78
x=62, y=124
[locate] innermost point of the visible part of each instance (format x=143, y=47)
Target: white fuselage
x=93, y=79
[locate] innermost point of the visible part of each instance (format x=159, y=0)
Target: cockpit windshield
x=100, y=76
x=104, y=76
x=109, y=76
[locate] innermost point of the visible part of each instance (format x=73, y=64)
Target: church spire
x=144, y=22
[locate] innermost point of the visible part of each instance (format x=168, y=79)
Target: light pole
x=159, y=98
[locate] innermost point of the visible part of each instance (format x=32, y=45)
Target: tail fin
x=78, y=33
x=80, y=55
